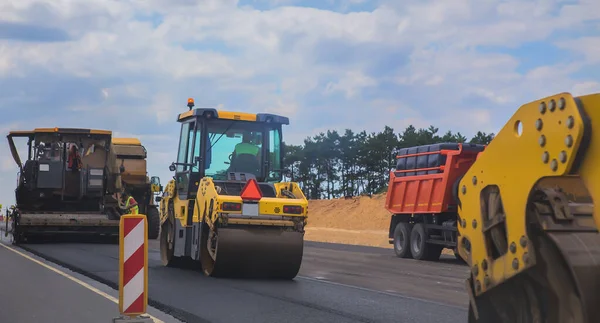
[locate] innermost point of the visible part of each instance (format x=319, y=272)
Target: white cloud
x=130, y=65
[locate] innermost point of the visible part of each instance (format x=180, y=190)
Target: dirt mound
x=361, y=220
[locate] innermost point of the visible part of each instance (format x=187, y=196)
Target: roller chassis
x=226, y=244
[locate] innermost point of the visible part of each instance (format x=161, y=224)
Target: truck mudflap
x=253, y=252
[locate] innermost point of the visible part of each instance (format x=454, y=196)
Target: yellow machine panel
x=528, y=226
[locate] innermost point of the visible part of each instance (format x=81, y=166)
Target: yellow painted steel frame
x=552, y=134
x=122, y=261
x=267, y=206
x=207, y=192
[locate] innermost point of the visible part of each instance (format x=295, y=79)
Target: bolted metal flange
x=513, y=247
x=570, y=122
x=562, y=156
x=542, y=107
x=569, y=141
x=562, y=103
x=539, y=124
x=523, y=241
x=545, y=157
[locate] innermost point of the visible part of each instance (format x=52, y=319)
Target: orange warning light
x=251, y=191
x=190, y=103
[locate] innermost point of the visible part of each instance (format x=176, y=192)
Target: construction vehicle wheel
x=420, y=249
x=561, y=287
x=265, y=252
x=402, y=240
x=153, y=217
x=167, y=241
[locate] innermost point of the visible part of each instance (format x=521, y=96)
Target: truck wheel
x=420, y=249
x=153, y=223
x=402, y=240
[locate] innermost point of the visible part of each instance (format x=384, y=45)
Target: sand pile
x=361, y=220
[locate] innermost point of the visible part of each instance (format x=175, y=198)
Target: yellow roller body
x=528, y=224
x=237, y=243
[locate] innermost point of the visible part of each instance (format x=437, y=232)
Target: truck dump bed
x=425, y=177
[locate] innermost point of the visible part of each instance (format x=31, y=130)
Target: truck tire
x=402, y=240
x=153, y=223
x=420, y=249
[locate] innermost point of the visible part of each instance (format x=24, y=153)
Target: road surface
x=337, y=283
x=33, y=290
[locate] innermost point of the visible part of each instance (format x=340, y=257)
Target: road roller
x=527, y=224
x=227, y=208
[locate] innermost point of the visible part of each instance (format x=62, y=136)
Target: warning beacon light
x=190, y=103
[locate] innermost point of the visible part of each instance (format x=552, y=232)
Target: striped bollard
x=133, y=268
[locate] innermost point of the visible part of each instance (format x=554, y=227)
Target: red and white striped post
x=133, y=265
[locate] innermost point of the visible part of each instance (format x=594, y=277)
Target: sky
x=130, y=65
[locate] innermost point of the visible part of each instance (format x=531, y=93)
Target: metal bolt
x=464, y=189
x=515, y=264
x=539, y=124
x=570, y=122
x=569, y=141
x=543, y=107
x=542, y=141
x=526, y=258
x=487, y=281
x=554, y=165
x=464, y=223
x=545, y=157
x=563, y=156
x=552, y=105
x=478, y=286
x=484, y=264
x=513, y=247
x=474, y=224
x=523, y=241
x=475, y=270
x=474, y=180
x=562, y=103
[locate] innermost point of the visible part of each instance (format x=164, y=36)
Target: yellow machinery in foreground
x=227, y=208
x=528, y=227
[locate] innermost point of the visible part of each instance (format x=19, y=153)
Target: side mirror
x=172, y=167
x=158, y=199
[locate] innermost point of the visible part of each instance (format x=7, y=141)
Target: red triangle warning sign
x=251, y=191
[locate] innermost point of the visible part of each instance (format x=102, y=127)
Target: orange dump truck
x=422, y=198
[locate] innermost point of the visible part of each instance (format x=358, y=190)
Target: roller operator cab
x=227, y=206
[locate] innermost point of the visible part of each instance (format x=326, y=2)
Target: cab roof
x=231, y=115
x=60, y=130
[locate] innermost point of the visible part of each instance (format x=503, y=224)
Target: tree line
x=332, y=164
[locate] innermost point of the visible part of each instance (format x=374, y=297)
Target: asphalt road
x=337, y=283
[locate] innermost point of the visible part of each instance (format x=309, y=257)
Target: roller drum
x=255, y=252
